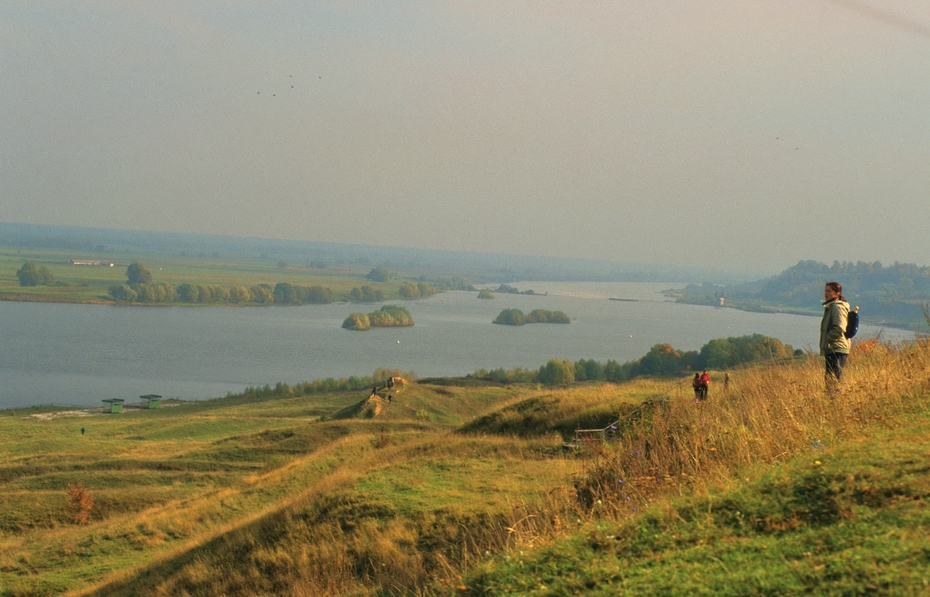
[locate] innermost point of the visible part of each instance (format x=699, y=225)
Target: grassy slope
x=841, y=521
x=181, y=480
x=264, y=498
x=775, y=489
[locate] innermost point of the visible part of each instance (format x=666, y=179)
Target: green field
x=462, y=486
x=90, y=284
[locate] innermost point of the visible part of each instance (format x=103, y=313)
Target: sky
x=739, y=134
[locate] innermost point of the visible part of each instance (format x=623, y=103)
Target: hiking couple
x=700, y=383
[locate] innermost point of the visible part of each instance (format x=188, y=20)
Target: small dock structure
x=116, y=404
x=151, y=401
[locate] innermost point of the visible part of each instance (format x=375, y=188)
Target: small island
x=516, y=317
x=506, y=289
x=485, y=293
x=388, y=316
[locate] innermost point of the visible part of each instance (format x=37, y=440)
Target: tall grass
x=768, y=414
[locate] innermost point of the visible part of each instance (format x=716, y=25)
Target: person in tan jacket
x=834, y=345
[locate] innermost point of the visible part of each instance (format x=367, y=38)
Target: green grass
x=466, y=487
x=173, y=481
x=850, y=520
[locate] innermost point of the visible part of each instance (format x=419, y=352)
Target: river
x=80, y=354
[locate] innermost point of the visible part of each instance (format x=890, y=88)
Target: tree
x=318, y=295
x=379, y=274
x=485, y=293
x=285, y=294
x=31, y=275
x=187, y=293
x=122, y=293
x=137, y=273
x=557, y=371
x=238, y=294
x=425, y=289
x=589, y=370
x=390, y=316
x=357, y=321
x=661, y=359
x=366, y=294
x=218, y=294
x=546, y=316
x=510, y=317
x=145, y=293
x=409, y=291
x=261, y=293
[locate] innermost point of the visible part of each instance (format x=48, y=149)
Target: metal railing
x=593, y=437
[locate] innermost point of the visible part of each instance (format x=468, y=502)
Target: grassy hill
x=465, y=487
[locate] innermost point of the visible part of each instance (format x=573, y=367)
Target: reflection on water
x=80, y=354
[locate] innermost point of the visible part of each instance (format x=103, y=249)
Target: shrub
x=80, y=503
x=122, y=293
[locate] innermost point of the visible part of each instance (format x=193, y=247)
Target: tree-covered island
x=516, y=317
x=507, y=289
x=387, y=316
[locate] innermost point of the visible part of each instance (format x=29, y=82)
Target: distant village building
x=94, y=263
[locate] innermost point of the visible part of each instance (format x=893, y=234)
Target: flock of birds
x=275, y=94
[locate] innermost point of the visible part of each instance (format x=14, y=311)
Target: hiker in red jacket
x=704, y=384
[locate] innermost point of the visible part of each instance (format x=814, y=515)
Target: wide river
x=81, y=354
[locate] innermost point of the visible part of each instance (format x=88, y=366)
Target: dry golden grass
x=768, y=414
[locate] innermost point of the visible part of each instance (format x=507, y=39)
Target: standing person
x=696, y=384
x=705, y=385
x=834, y=345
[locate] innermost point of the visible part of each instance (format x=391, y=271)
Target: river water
x=81, y=354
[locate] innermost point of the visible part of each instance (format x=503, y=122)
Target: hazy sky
x=735, y=133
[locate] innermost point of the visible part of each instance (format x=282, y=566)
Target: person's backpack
x=852, y=323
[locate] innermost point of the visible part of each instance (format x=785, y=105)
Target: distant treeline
x=322, y=386
x=516, y=317
x=283, y=293
x=894, y=293
x=662, y=359
x=140, y=288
